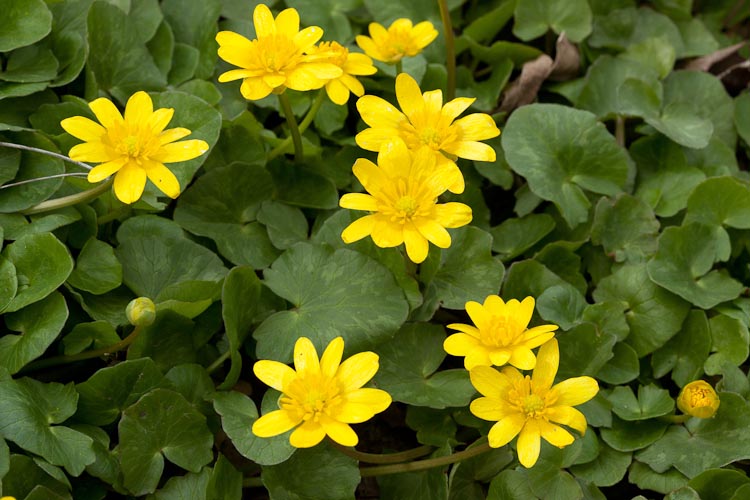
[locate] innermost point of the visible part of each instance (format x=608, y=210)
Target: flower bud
x=141, y=311
x=698, y=399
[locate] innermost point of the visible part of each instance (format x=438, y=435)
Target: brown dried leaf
x=524, y=89
x=567, y=60
x=704, y=63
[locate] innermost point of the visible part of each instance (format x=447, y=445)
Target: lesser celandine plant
x=559, y=311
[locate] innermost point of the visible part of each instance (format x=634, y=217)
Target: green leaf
x=655, y=52
x=719, y=484
x=622, y=368
x=534, y=17
x=561, y=305
x=223, y=205
x=10, y=160
x=465, y=271
x=155, y=261
x=312, y=471
x=97, y=269
x=585, y=350
x=562, y=151
x=334, y=293
x=685, y=364
x=43, y=223
x=703, y=444
x=27, y=475
x=654, y=315
x=720, y=201
x=238, y=413
x=608, y=469
x=239, y=300
x=33, y=63
x=665, y=180
x=110, y=390
x=633, y=435
x=468, y=476
x=226, y=481
x=301, y=186
x=28, y=409
x=39, y=325
x=118, y=57
x=188, y=298
x=652, y=402
x=330, y=15
x=286, y=225
x=730, y=343
x=684, y=261
x=161, y=424
x=742, y=116
x=514, y=236
x=626, y=227
x=184, y=63
x=621, y=28
x=33, y=166
x=190, y=486
x=510, y=485
x=194, y=23
x=95, y=335
x=647, y=478
x=24, y=22
x=408, y=369
x=169, y=341
x=42, y=264
x=434, y=427
x=430, y=483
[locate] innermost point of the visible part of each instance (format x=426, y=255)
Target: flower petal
x=357, y=370
x=82, y=128
x=340, y=432
x=93, y=152
x=287, y=23
x=139, y=108
x=235, y=48
x=373, y=139
x=555, y=435
x=370, y=175
x=307, y=435
x=477, y=151
x=359, y=201
x=575, y=391
x=489, y=382
x=130, y=181
x=180, y=151
x=275, y=423
x=274, y=374
x=423, y=34
x=263, y=21
x=548, y=359
x=453, y=214
x=477, y=127
x=409, y=95
x=274, y=80
x=331, y=358
x=453, y=108
x=567, y=415
x=434, y=232
x=173, y=134
x=376, y=400
x=359, y=229
x=305, y=356
x=459, y=344
x=500, y=357
x=101, y=172
x=307, y=37
x=467, y=329
x=479, y=315
x=478, y=357
x=352, y=84
x=490, y=409
x=379, y=113
x=106, y=112
x=387, y=234
x=529, y=444
x=506, y=429
x=370, y=47
x=162, y=177
x=159, y=120
x=237, y=74
x=522, y=358
x=417, y=246
x=310, y=76
x=253, y=89
x=337, y=92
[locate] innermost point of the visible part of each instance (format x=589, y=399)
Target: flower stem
x=63, y=360
x=620, y=131
x=674, y=419
x=219, y=361
x=450, y=50
x=381, y=470
x=45, y=152
x=306, y=121
x=67, y=201
x=399, y=67
x=385, y=458
x=45, y=178
x=293, y=127
x=252, y=482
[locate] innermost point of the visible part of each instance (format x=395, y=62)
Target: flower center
x=699, y=398
x=406, y=206
x=502, y=332
x=130, y=145
x=332, y=52
x=310, y=397
x=276, y=53
x=430, y=137
x=533, y=406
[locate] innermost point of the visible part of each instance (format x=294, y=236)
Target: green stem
x=219, y=361
x=114, y=214
x=67, y=201
x=384, y=458
x=620, y=131
x=381, y=470
x=45, y=178
x=304, y=124
x=399, y=67
x=450, y=49
x=674, y=419
x=45, y=152
x=293, y=127
x=252, y=482
x=63, y=360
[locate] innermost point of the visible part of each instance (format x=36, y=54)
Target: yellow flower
x=425, y=122
x=531, y=406
x=351, y=63
x=276, y=59
x=401, y=39
x=141, y=311
x=500, y=335
x=134, y=147
x=320, y=397
x=698, y=399
x=403, y=196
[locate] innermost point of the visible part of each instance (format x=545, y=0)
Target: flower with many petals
x=403, y=190
x=426, y=123
x=320, y=397
x=500, y=334
x=133, y=147
x=351, y=63
x=698, y=399
x=400, y=40
x=530, y=407
x=277, y=58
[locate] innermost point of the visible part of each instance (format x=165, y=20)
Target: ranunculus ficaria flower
x=698, y=399
x=400, y=40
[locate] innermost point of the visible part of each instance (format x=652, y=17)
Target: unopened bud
x=698, y=399
x=141, y=311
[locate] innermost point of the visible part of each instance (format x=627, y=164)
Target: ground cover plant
x=341, y=249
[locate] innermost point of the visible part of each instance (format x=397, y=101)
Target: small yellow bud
x=698, y=399
x=141, y=311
